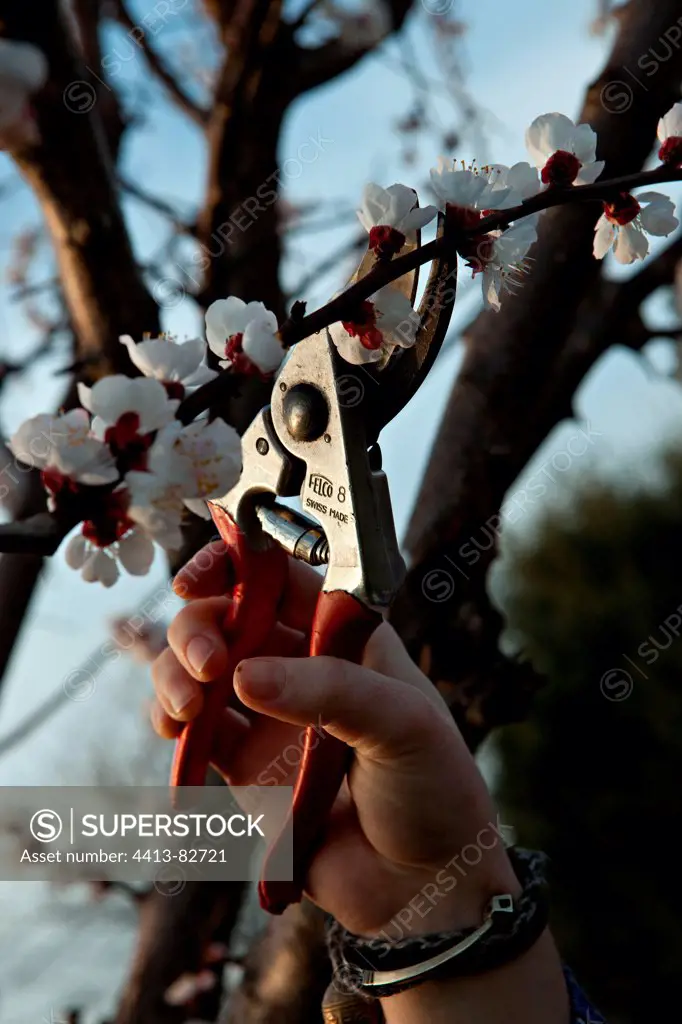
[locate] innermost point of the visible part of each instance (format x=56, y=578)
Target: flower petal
x=165, y=359
x=136, y=553
x=670, y=125
x=396, y=318
x=589, y=173
x=631, y=244
x=224, y=317
x=546, y=134
x=492, y=288
x=376, y=203
x=32, y=443
x=198, y=506
x=76, y=551
x=585, y=143
x=262, y=346
x=604, y=236
x=113, y=396
x=402, y=198
x=418, y=218
x=658, y=216
x=100, y=568
x=84, y=396
x=351, y=349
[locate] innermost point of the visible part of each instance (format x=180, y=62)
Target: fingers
x=343, y=698
x=180, y=671
x=178, y=693
x=208, y=574
x=197, y=638
x=164, y=726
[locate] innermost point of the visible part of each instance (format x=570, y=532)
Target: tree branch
x=156, y=63
x=321, y=64
x=81, y=211
x=499, y=413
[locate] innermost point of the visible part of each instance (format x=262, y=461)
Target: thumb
x=377, y=715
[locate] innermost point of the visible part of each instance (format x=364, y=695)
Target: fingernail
x=199, y=650
x=180, y=693
x=261, y=679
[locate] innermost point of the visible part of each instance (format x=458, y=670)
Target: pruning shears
x=318, y=439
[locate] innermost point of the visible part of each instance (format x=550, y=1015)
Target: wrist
x=498, y=933
x=531, y=989
x=450, y=898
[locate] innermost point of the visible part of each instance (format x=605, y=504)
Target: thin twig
x=156, y=63
x=383, y=272
x=42, y=534
x=159, y=205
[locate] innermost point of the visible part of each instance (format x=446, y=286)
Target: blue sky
x=521, y=59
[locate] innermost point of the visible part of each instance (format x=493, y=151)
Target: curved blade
x=403, y=376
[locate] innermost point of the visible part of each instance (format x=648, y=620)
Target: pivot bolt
x=306, y=412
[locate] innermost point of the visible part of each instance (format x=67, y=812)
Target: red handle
x=341, y=628
x=260, y=577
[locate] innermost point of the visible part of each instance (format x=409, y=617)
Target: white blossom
x=100, y=564
x=23, y=70
x=469, y=187
x=187, y=466
x=171, y=363
x=116, y=396
x=520, y=180
x=670, y=125
x=157, y=506
x=385, y=321
x=625, y=224
x=563, y=151
x=391, y=217
x=204, y=459
x=64, y=447
x=244, y=335
x=670, y=135
x=95, y=564
x=507, y=261
x=109, y=540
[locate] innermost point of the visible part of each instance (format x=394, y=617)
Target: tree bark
x=72, y=175
x=174, y=933
x=499, y=413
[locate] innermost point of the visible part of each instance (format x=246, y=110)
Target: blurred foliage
x=594, y=777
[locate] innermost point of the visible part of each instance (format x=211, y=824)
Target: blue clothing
x=582, y=1010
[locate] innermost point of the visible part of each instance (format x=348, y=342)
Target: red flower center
x=476, y=250
x=623, y=209
x=239, y=359
x=57, y=483
x=111, y=523
x=174, y=389
x=562, y=168
x=671, y=151
x=386, y=241
x=364, y=327
x=128, y=446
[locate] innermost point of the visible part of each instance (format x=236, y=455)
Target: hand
x=411, y=843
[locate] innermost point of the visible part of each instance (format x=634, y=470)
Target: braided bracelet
x=377, y=968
